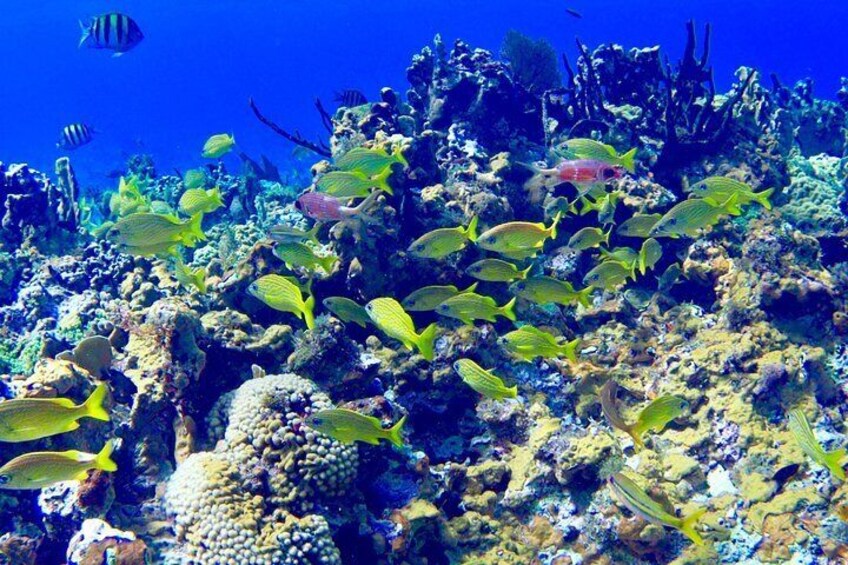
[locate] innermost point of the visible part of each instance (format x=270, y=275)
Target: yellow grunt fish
x=145, y=230
x=654, y=417
x=803, y=433
x=27, y=419
x=427, y=298
x=199, y=201
x=42, y=469
x=348, y=426
x=483, y=381
x=283, y=295
x=442, y=242
x=496, y=270
x=638, y=502
x=218, y=145
x=346, y=310
x=470, y=306
x=528, y=342
x=388, y=315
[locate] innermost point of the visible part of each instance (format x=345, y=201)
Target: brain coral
x=246, y=501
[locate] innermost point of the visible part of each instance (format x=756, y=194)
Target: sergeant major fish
x=113, y=31
x=75, y=136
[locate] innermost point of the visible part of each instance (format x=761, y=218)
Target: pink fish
x=587, y=171
x=582, y=173
x=323, y=207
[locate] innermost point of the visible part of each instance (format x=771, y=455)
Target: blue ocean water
x=200, y=61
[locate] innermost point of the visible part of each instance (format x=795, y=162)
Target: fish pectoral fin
x=81, y=476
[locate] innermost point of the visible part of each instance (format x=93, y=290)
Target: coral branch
x=295, y=138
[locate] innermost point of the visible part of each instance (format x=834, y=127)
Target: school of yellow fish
x=146, y=228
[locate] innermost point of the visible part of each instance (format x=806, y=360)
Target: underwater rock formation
x=252, y=494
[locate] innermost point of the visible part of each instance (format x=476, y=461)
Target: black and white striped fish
x=74, y=136
x=350, y=98
x=113, y=31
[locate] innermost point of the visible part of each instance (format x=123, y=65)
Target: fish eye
x=672, y=221
x=316, y=421
x=4, y=479
x=609, y=173
x=298, y=205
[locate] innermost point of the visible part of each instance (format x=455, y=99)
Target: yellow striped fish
x=800, y=428
x=42, y=469
x=638, y=502
x=27, y=419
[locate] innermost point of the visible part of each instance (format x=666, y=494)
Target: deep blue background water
x=200, y=61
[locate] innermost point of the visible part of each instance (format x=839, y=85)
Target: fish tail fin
x=200, y=280
x=471, y=288
x=628, y=160
x=552, y=231
x=215, y=195
x=359, y=210
x=86, y=33
x=93, y=406
x=523, y=274
x=507, y=310
x=471, y=230
x=382, y=181
x=583, y=296
x=308, y=316
x=312, y=234
x=425, y=342
x=397, y=153
x=194, y=231
x=688, y=523
x=395, y=433
x=763, y=198
x=832, y=460
x=731, y=206
x=103, y=459
x=570, y=349
x=586, y=206
x=328, y=262
x=635, y=433
x=512, y=391
x=539, y=181
x=607, y=236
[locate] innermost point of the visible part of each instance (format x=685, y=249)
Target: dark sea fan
x=534, y=62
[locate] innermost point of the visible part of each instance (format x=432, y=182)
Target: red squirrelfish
x=583, y=173
x=323, y=207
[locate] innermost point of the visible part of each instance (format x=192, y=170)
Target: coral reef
x=217, y=463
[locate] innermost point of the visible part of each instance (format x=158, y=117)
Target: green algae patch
x=521, y=462
x=788, y=501
x=678, y=466
x=755, y=487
